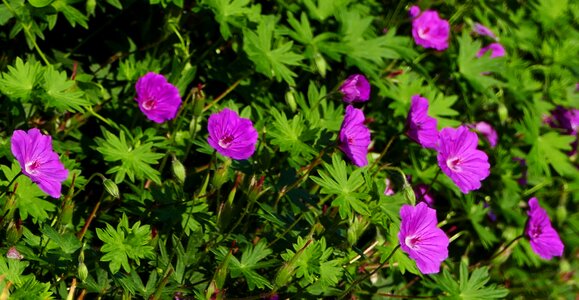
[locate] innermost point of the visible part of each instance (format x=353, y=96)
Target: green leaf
x=335, y=181
x=67, y=242
x=40, y=3
x=124, y=243
x=73, y=15
x=250, y=261
x=478, y=71
x=32, y=289
x=136, y=157
x=551, y=147
x=293, y=136
x=270, y=62
x=12, y=269
x=234, y=13
x=21, y=79
x=441, y=107
x=61, y=92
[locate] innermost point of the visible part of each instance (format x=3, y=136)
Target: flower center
x=149, y=104
x=412, y=242
x=31, y=167
x=535, y=231
x=350, y=141
x=225, y=142
x=423, y=32
x=454, y=164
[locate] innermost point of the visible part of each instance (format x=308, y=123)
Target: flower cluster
x=33, y=151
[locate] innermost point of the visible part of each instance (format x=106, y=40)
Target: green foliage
x=251, y=258
x=124, y=243
x=293, y=136
x=234, y=13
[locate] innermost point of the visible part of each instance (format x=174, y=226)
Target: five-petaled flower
x=421, y=239
x=459, y=158
x=430, y=31
x=543, y=238
x=231, y=135
x=33, y=151
x=355, y=136
x=355, y=88
x=421, y=126
x=488, y=132
x=158, y=99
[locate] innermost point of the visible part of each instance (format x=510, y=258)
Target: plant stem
x=11, y=182
x=225, y=93
x=345, y=293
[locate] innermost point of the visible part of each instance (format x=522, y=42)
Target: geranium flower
x=422, y=192
x=388, y=191
x=421, y=127
x=231, y=135
x=430, y=31
x=355, y=136
x=33, y=151
x=414, y=11
x=355, y=88
x=158, y=99
x=488, y=131
x=483, y=30
x=460, y=160
x=421, y=239
x=496, y=49
x=543, y=238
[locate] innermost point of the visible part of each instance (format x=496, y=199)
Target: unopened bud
x=178, y=170
x=82, y=271
x=290, y=99
x=220, y=176
x=14, y=254
x=408, y=193
x=13, y=232
x=111, y=188
x=503, y=113
x=321, y=64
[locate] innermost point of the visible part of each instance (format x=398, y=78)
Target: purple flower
x=422, y=192
x=430, y=31
x=421, y=127
x=355, y=136
x=460, y=160
x=488, y=131
x=231, y=135
x=567, y=119
x=544, y=239
x=355, y=88
x=482, y=30
x=421, y=239
x=158, y=99
x=388, y=191
x=414, y=11
x=496, y=49
x=33, y=151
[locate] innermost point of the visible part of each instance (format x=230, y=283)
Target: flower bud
x=220, y=176
x=178, y=170
x=14, y=254
x=82, y=271
x=111, y=188
x=408, y=193
x=290, y=100
x=321, y=64
x=357, y=227
x=13, y=232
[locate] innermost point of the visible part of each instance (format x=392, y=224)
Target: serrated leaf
x=72, y=15
x=551, y=147
x=250, y=261
x=21, y=79
x=234, y=13
x=271, y=62
x=478, y=71
x=61, y=92
x=293, y=136
x=67, y=242
x=335, y=181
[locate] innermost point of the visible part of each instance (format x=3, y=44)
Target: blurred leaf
x=21, y=79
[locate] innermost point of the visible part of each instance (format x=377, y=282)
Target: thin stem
x=345, y=293
x=429, y=186
x=225, y=93
x=94, y=113
x=287, y=230
x=484, y=262
x=11, y=182
x=80, y=235
x=384, y=151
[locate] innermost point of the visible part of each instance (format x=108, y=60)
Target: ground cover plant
x=302, y=149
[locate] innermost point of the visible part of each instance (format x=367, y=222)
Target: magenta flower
x=414, y=11
x=460, y=160
x=483, y=30
x=158, y=99
x=421, y=127
x=355, y=136
x=355, y=88
x=488, y=131
x=430, y=31
x=33, y=151
x=563, y=118
x=496, y=49
x=422, y=192
x=544, y=239
x=231, y=135
x=421, y=239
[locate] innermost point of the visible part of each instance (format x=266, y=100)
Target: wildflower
x=388, y=191
x=421, y=127
x=14, y=254
x=543, y=238
x=33, y=151
x=421, y=239
x=563, y=118
x=460, y=160
x=231, y=135
x=483, y=30
x=422, y=193
x=355, y=136
x=414, y=11
x=158, y=99
x=430, y=31
x=488, y=131
x=496, y=49
x=355, y=88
